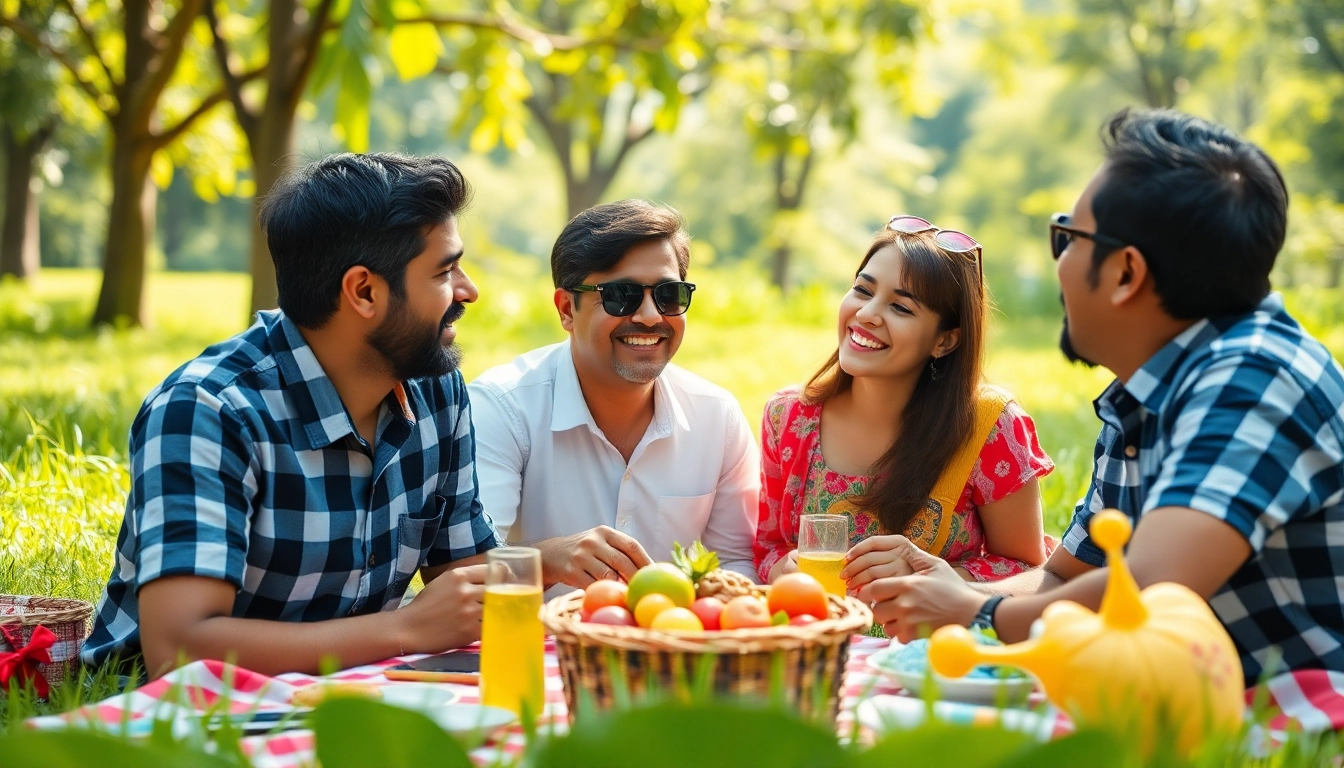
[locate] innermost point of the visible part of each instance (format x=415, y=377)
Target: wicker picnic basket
x=66, y=618
x=808, y=660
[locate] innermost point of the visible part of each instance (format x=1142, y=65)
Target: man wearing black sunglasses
x=1223, y=432
x=597, y=450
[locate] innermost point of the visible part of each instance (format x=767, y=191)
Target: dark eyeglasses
x=1061, y=234
x=949, y=240
x=622, y=299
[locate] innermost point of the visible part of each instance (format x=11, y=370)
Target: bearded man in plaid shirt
x=289, y=482
x=1223, y=433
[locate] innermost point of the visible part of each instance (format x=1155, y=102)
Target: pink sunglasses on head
x=949, y=240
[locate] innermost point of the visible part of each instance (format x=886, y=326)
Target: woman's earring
x=933, y=369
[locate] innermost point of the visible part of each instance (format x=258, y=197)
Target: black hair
x=1207, y=209
x=595, y=240
x=347, y=210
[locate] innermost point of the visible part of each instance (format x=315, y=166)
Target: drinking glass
x=823, y=541
x=512, y=639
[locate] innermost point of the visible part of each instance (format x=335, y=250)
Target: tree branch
x=89, y=40
x=30, y=36
x=1318, y=30
x=169, y=51
x=164, y=138
x=309, y=52
x=233, y=87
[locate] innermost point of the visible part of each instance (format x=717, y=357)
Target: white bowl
x=420, y=697
x=471, y=722
x=975, y=690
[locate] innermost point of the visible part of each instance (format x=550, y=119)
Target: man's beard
x=639, y=373
x=414, y=350
x=1066, y=343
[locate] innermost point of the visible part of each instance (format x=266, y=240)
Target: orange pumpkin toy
x=1156, y=660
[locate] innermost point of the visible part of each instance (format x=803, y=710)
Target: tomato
x=677, y=618
x=650, y=606
x=797, y=594
x=600, y=594
x=614, y=615
x=744, y=612
x=708, y=610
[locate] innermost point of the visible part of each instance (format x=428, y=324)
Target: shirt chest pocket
x=683, y=518
x=415, y=535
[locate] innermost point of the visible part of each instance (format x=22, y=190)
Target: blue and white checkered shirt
x=1241, y=417
x=246, y=467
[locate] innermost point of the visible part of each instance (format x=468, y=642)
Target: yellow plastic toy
x=1157, y=661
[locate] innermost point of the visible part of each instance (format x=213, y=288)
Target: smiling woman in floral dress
x=899, y=431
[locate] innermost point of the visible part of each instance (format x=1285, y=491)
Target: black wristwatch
x=984, y=618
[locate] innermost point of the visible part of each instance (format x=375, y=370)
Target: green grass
x=68, y=395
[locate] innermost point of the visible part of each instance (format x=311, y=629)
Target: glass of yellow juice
x=823, y=541
x=512, y=639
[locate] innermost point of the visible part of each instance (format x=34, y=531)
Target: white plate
x=420, y=697
x=968, y=689
x=882, y=713
x=471, y=722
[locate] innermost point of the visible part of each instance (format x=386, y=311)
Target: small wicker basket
x=67, y=618
x=806, y=662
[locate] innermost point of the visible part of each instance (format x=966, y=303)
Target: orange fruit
x=744, y=612
x=600, y=594
x=650, y=606
x=664, y=579
x=677, y=618
x=798, y=594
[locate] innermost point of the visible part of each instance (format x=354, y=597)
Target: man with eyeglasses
x=1223, y=432
x=596, y=450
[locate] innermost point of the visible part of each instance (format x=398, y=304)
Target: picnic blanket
x=205, y=683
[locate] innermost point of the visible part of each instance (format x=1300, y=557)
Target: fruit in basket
x=663, y=579
x=708, y=610
x=802, y=620
x=745, y=612
x=650, y=606
x=614, y=615
x=679, y=619
x=798, y=594
x=600, y=594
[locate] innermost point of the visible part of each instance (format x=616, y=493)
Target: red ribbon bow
x=20, y=665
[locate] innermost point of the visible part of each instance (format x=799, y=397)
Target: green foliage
x=356, y=733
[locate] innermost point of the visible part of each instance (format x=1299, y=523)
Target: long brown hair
x=941, y=413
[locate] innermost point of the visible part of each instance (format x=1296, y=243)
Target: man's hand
x=446, y=614
x=581, y=559
x=906, y=606
x=882, y=557
x=784, y=565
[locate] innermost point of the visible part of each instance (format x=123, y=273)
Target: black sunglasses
x=622, y=299
x=1061, y=234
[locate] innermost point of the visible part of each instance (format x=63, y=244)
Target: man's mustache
x=454, y=313
x=635, y=329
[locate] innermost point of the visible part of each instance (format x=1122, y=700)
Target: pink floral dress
x=795, y=481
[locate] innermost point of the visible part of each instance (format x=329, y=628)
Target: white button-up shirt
x=546, y=470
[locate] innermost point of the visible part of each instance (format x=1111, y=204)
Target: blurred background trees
x=137, y=134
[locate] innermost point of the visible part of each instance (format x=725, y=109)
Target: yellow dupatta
x=930, y=529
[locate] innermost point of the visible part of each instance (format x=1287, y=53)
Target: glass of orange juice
x=823, y=541
x=512, y=639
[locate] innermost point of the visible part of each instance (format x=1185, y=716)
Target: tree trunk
x=272, y=156
x=788, y=200
x=129, y=226
x=582, y=194
x=19, y=233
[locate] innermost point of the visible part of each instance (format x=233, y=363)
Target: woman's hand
x=881, y=557
x=785, y=565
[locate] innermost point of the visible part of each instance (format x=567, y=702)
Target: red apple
x=803, y=619
x=708, y=609
x=612, y=614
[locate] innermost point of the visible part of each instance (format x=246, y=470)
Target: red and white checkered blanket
x=1314, y=698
